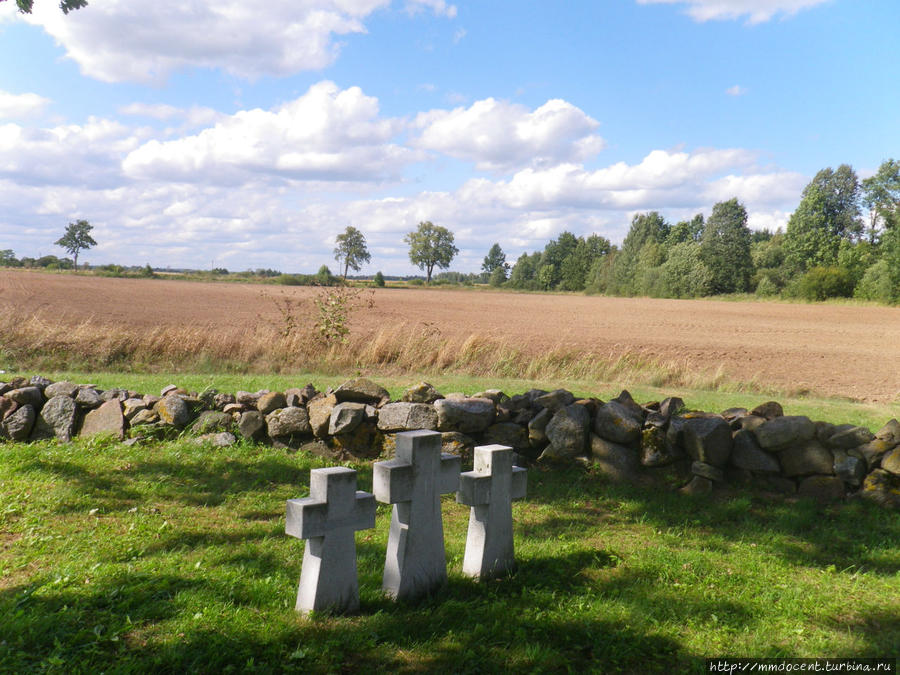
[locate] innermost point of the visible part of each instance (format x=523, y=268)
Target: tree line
x=828, y=249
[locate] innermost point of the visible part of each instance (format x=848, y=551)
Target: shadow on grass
x=465, y=627
x=190, y=483
x=802, y=531
x=520, y=622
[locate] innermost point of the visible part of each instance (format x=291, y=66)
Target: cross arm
x=474, y=489
x=448, y=477
x=519, y=479
x=308, y=517
x=392, y=481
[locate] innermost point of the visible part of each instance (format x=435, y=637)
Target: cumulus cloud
x=118, y=40
x=83, y=155
x=499, y=135
x=193, y=116
x=16, y=106
x=756, y=11
x=662, y=179
x=736, y=90
x=250, y=190
x=326, y=134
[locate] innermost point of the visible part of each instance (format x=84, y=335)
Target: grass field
x=170, y=557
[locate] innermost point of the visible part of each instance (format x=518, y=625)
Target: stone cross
x=489, y=490
x=328, y=518
x=416, y=563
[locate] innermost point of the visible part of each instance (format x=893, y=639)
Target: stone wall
x=620, y=438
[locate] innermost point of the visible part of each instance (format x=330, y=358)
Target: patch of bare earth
x=835, y=350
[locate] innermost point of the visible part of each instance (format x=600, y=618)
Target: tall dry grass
x=40, y=342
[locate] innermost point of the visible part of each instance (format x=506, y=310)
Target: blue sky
x=246, y=135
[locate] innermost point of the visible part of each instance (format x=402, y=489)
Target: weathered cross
x=415, y=564
x=489, y=490
x=328, y=518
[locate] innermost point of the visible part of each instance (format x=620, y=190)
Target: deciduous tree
x=430, y=246
x=881, y=195
x=725, y=248
x=351, y=249
x=495, y=259
x=77, y=238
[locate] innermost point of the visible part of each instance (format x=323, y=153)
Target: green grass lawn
x=172, y=557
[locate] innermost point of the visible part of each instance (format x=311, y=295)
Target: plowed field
x=835, y=350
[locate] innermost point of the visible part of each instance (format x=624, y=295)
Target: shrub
x=876, y=284
x=498, y=277
x=379, y=279
x=297, y=280
x=821, y=283
x=766, y=288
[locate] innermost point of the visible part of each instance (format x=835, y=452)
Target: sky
x=201, y=133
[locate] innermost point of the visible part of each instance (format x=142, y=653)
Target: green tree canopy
x=524, y=271
x=494, y=260
x=351, y=249
x=881, y=195
x=645, y=227
x=25, y=6
x=430, y=246
x=684, y=274
x=809, y=240
x=725, y=248
x=77, y=238
x=686, y=231
x=840, y=194
x=8, y=258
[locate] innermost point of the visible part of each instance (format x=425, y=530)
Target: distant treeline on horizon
x=827, y=250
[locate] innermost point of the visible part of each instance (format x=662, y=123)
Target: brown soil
x=836, y=350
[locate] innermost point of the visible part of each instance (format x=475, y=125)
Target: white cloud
x=459, y=35
x=662, y=179
x=756, y=11
x=499, y=135
x=16, y=106
x=736, y=90
x=192, y=117
x=120, y=40
x=439, y=7
x=326, y=134
x=780, y=187
x=257, y=189
x=83, y=155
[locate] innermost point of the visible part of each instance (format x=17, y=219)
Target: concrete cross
x=489, y=490
x=328, y=518
x=415, y=564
